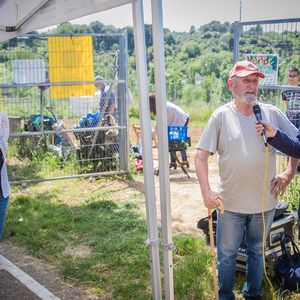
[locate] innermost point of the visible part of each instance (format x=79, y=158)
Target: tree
x=96, y=26
x=210, y=63
x=65, y=28
x=150, y=54
x=109, y=29
x=215, y=26
x=207, y=89
x=225, y=94
x=82, y=28
x=168, y=50
x=227, y=41
x=190, y=93
x=192, y=49
x=168, y=37
x=192, y=30
x=148, y=35
x=174, y=83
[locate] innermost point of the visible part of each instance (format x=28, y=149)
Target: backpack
x=287, y=266
x=34, y=123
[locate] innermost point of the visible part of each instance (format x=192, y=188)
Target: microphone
x=257, y=113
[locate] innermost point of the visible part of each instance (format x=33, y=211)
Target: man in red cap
x=242, y=161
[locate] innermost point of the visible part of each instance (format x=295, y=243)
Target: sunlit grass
x=99, y=242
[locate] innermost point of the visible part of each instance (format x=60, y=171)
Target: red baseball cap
x=245, y=68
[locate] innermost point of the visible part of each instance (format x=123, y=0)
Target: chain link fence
x=64, y=122
x=274, y=46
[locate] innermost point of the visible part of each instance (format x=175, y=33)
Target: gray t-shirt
x=176, y=116
x=242, y=156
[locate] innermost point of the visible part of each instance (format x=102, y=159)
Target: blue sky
x=180, y=15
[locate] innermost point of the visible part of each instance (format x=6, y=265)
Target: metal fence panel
x=58, y=129
x=281, y=38
x=278, y=37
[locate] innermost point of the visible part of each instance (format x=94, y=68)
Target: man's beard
x=249, y=99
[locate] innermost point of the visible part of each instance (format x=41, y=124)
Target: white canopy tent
x=18, y=17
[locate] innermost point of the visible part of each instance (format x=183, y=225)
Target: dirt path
x=43, y=273
x=186, y=200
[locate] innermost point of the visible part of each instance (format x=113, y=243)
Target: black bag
x=287, y=266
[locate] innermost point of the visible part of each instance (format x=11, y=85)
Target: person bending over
x=176, y=117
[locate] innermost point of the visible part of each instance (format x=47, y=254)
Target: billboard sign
x=268, y=65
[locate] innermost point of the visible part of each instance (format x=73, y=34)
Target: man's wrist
x=205, y=190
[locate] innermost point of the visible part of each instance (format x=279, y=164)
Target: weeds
x=32, y=160
x=99, y=242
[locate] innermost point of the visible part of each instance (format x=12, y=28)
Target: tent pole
x=163, y=153
x=148, y=170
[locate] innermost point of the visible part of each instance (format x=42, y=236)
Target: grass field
x=93, y=231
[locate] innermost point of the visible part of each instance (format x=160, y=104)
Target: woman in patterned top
x=5, y=187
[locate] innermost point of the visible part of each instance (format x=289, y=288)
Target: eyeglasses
x=293, y=76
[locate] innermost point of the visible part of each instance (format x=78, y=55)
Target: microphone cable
x=263, y=217
x=258, y=116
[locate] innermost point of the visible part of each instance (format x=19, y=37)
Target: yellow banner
x=71, y=60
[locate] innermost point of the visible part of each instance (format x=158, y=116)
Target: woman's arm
x=280, y=140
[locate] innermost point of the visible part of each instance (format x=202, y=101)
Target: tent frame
x=52, y=12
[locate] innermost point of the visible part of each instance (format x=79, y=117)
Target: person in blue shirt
x=279, y=140
x=104, y=90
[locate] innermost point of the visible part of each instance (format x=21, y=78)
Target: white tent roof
x=18, y=17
